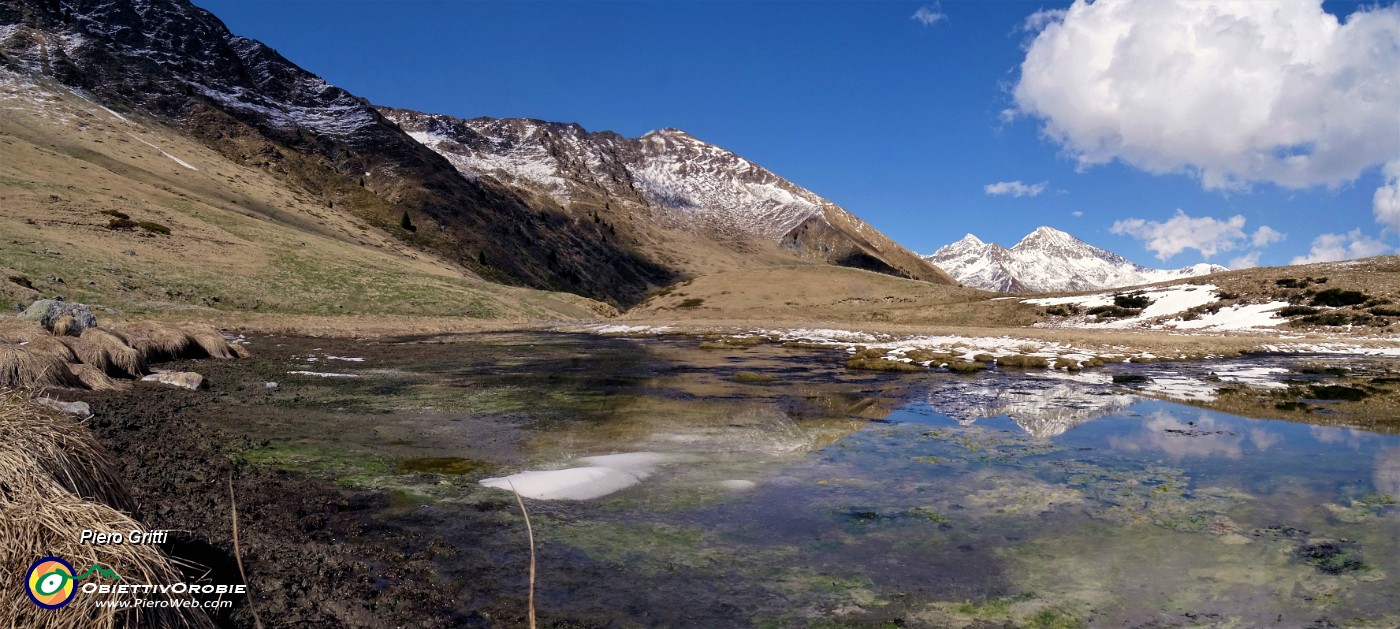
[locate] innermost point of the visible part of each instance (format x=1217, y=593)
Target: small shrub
x=1132, y=301
x=928, y=356
x=1385, y=311
x=1114, y=312
x=406, y=223
x=984, y=358
x=1068, y=364
x=122, y=224
x=1327, y=318
x=154, y=228
x=1338, y=297
x=1296, y=311
x=693, y=302
x=117, y=213
x=1063, y=310
x=1227, y=296
x=880, y=364
x=753, y=377
x=1287, y=282
x=963, y=366
x=1022, y=361
x=21, y=280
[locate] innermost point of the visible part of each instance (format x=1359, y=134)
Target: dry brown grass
x=54, y=482
x=108, y=352
x=21, y=368
x=36, y=441
x=58, y=347
x=64, y=325
x=157, y=342
x=96, y=379
x=209, y=341
x=42, y=519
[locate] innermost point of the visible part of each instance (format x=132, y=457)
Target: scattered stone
x=49, y=311
x=271, y=386
x=77, y=409
x=128, y=252
x=183, y=379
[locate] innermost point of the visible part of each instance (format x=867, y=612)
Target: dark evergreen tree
x=407, y=223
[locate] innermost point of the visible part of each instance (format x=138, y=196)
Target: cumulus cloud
x=1264, y=236
x=1015, y=188
x=1247, y=261
x=1348, y=246
x=1076, y=214
x=1385, y=204
x=929, y=15
x=1181, y=232
x=1231, y=92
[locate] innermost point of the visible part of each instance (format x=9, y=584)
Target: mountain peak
x=1047, y=235
x=1047, y=260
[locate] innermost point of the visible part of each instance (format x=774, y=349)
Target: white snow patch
x=162, y=151
x=321, y=374
x=629, y=329
x=602, y=476
x=1238, y=317
x=348, y=359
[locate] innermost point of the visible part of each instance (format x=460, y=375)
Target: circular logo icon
x=49, y=583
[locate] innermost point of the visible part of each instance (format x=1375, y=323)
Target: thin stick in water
x=529, y=531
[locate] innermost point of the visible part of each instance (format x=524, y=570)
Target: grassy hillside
x=239, y=239
x=818, y=293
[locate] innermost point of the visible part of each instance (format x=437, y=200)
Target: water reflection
x=1043, y=408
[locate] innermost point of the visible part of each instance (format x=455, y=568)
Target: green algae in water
x=443, y=465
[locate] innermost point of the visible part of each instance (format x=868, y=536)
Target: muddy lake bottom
x=777, y=489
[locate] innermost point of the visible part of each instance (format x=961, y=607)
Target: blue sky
x=905, y=113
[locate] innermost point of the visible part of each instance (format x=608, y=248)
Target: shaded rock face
x=181, y=65
x=49, y=312
x=1049, y=260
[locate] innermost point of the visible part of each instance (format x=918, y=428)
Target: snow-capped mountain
x=666, y=178
x=1049, y=260
x=1042, y=408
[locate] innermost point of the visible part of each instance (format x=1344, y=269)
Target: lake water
x=772, y=487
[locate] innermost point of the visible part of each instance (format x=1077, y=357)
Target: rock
x=271, y=386
x=183, y=379
x=48, y=311
x=77, y=409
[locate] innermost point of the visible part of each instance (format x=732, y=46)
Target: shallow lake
x=773, y=487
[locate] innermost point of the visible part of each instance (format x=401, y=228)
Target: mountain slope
x=1049, y=260
x=240, y=239
x=659, y=185
x=181, y=66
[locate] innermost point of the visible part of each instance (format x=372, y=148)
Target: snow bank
x=604, y=475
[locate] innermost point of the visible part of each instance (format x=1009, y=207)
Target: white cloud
x=1015, y=188
x=1348, y=246
x=1037, y=21
x=929, y=15
x=1181, y=232
x=1265, y=235
x=1247, y=261
x=1076, y=214
x=1232, y=92
x=1385, y=204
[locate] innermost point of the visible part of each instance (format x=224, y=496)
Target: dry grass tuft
x=156, y=342
x=64, y=325
x=37, y=442
x=210, y=342
x=56, y=481
x=96, y=379
x=58, y=347
x=21, y=368
x=42, y=520
x=110, y=353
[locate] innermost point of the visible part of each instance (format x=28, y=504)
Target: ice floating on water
x=604, y=475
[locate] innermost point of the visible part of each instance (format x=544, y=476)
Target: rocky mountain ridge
x=1049, y=260
x=665, y=178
